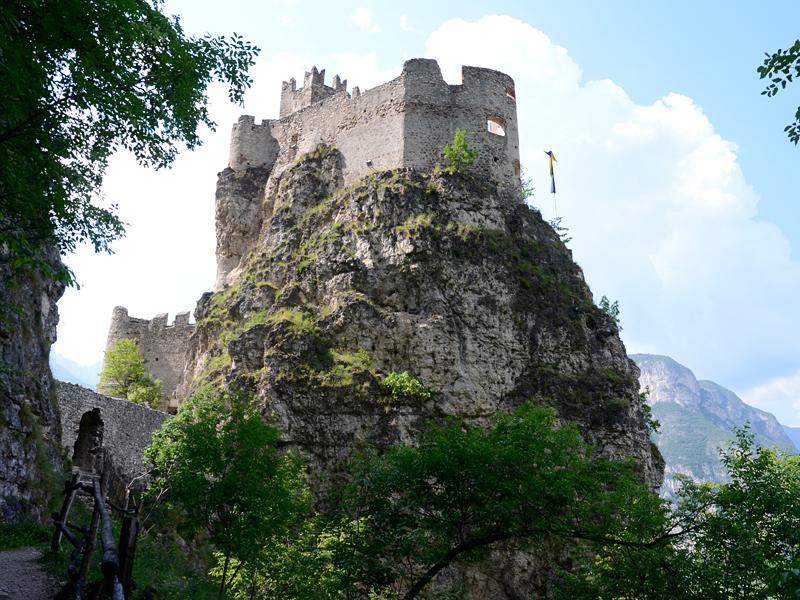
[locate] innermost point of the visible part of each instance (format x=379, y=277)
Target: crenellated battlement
x=161, y=343
x=313, y=90
x=405, y=122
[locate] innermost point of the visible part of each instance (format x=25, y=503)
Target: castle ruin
x=403, y=123
x=162, y=346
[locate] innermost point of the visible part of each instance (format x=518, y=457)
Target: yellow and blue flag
x=552, y=176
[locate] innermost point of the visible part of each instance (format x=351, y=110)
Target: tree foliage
x=463, y=490
x=217, y=467
x=458, y=155
x=404, y=384
x=81, y=79
x=611, y=309
x=124, y=375
x=781, y=68
x=739, y=540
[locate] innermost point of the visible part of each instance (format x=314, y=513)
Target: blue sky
x=674, y=172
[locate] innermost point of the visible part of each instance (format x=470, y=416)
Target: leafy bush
x=403, y=384
x=458, y=155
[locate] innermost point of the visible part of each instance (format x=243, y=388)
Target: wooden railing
x=116, y=565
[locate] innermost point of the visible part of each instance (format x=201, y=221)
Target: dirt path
x=23, y=577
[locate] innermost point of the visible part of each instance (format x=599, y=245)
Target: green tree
x=81, y=79
x=782, y=67
x=527, y=480
x=217, y=467
x=733, y=541
x=124, y=375
x=611, y=309
x=458, y=155
x=526, y=184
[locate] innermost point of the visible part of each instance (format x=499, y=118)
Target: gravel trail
x=23, y=577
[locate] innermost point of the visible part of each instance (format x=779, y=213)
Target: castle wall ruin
x=405, y=122
x=162, y=346
x=123, y=429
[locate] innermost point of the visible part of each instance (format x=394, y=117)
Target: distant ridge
x=793, y=433
x=697, y=419
x=67, y=370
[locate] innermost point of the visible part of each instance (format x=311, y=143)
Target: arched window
x=517, y=168
x=496, y=125
x=511, y=94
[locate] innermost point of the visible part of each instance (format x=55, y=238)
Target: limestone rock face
x=238, y=215
x=697, y=419
x=446, y=277
x=30, y=432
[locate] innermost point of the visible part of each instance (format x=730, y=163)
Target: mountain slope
x=66, y=370
x=697, y=419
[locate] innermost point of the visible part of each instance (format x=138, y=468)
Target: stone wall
x=163, y=346
x=126, y=429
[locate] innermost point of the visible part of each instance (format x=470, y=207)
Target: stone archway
x=86, y=454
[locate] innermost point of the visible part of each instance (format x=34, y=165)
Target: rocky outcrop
x=446, y=277
x=30, y=449
x=697, y=419
x=238, y=216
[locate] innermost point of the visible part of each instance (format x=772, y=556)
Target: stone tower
x=162, y=345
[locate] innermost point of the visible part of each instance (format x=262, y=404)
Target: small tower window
x=517, y=168
x=511, y=94
x=496, y=125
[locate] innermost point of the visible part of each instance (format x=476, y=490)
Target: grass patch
x=309, y=250
x=346, y=365
x=618, y=404
x=416, y=223
x=299, y=322
x=24, y=534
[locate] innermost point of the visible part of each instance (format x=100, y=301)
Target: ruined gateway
x=343, y=255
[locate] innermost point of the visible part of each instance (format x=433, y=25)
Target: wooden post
x=127, y=549
x=89, y=543
x=70, y=489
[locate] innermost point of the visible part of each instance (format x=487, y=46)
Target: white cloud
x=661, y=215
x=362, y=18
x=405, y=25
x=780, y=396
x=287, y=20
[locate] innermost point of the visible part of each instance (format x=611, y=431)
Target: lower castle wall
x=127, y=428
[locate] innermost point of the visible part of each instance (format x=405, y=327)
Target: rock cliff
x=30, y=433
x=450, y=278
x=697, y=419
x=460, y=284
